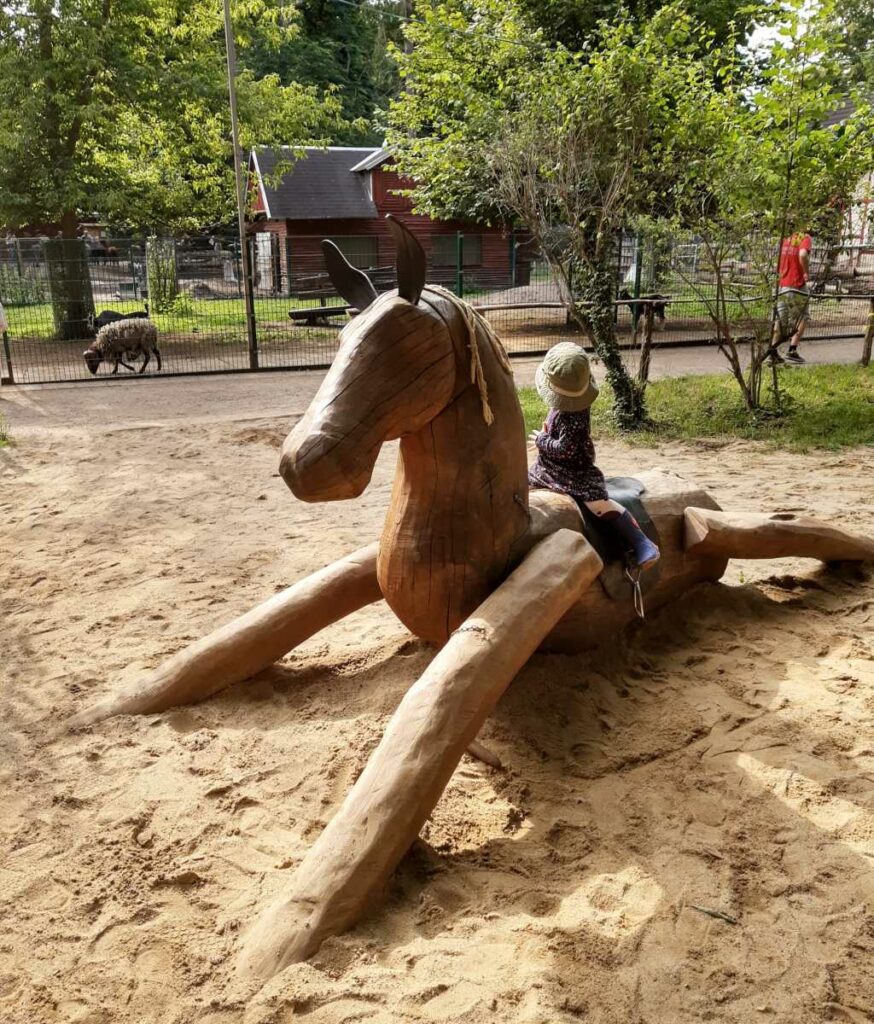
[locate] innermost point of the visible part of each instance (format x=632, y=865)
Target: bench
x=318, y=315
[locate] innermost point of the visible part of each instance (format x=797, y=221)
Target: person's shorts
x=792, y=310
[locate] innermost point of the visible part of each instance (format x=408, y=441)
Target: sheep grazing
x=123, y=338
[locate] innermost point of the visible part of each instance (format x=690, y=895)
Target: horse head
x=395, y=370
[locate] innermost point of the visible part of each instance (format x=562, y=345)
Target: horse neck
x=459, y=504
x=460, y=465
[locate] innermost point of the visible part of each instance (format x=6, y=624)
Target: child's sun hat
x=564, y=378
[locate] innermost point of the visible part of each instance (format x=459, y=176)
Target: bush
x=25, y=289
x=161, y=276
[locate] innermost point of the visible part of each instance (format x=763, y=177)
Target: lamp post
x=249, y=298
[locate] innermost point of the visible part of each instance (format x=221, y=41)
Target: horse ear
x=353, y=284
x=411, y=261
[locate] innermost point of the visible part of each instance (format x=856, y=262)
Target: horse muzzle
x=319, y=465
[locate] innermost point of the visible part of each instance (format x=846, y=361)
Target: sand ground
x=721, y=758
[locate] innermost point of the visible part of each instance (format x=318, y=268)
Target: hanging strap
x=633, y=577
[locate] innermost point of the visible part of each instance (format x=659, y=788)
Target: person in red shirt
x=793, y=297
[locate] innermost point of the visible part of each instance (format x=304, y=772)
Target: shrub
x=21, y=289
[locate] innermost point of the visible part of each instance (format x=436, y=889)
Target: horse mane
x=477, y=324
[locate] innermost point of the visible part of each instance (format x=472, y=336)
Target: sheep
x=123, y=338
x=109, y=316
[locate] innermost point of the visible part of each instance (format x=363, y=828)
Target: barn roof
x=840, y=113
x=322, y=184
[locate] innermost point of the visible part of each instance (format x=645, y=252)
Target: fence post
x=136, y=284
x=638, y=270
x=869, y=336
x=512, y=259
x=646, y=347
x=249, y=295
x=459, y=264
x=619, y=282
x=288, y=252
x=9, y=376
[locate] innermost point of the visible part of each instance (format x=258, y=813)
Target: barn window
x=443, y=250
x=362, y=251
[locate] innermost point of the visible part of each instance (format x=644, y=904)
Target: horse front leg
x=251, y=643
x=403, y=780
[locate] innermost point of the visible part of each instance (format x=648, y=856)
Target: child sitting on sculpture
x=566, y=452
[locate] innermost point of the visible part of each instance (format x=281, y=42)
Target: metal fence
x=194, y=293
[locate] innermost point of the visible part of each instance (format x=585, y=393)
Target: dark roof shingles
x=320, y=186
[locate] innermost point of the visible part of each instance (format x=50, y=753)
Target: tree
x=854, y=20
x=499, y=123
x=119, y=108
x=575, y=24
x=341, y=46
x=767, y=164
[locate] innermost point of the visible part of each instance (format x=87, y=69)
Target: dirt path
x=720, y=759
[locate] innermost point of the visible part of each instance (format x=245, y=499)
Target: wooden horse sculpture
x=467, y=559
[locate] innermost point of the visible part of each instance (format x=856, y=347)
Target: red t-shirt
x=791, y=272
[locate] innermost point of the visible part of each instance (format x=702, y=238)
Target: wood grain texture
x=781, y=535
x=425, y=739
x=393, y=373
x=597, y=618
x=248, y=645
x=459, y=504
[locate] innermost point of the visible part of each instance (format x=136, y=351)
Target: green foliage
x=827, y=407
x=21, y=289
x=574, y=24
x=758, y=163
x=120, y=107
x=340, y=48
x=501, y=123
x=855, y=22
x=808, y=169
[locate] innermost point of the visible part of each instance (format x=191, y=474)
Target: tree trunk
x=593, y=310
x=69, y=282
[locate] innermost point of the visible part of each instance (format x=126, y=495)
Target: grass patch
x=827, y=407
x=4, y=437
x=188, y=316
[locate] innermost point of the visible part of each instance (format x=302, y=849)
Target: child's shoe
x=646, y=554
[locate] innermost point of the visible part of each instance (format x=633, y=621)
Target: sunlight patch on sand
x=848, y=823
x=616, y=905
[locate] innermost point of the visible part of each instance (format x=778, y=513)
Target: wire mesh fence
x=54, y=292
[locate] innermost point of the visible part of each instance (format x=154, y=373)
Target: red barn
x=343, y=193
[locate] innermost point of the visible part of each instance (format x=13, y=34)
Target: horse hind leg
x=251, y=643
x=778, y=535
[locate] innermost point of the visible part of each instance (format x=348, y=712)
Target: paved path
x=127, y=403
